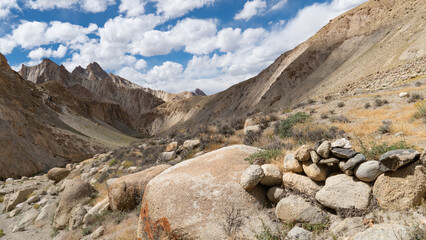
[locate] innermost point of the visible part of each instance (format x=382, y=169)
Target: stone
x=33, y=199
x=324, y=149
x=85, y=176
x=353, y=162
x=125, y=193
x=93, y=171
x=253, y=129
x=171, y=147
x=342, y=191
x=343, y=153
x=249, y=122
x=403, y=94
x=275, y=194
x=294, y=209
x=251, y=177
x=315, y=171
x=303, y=153
x=290, y=164
x=76, y=192
x=423, y=158
x=18, y=228
x=28, y=217
x=17, y=198
x=69, y=167
x=273, y=175
x=192, y=199
x=57, y=174
x=403, y=189
x=9, y=180
x=329, y=161
x=369, y=171
x=314, y=157
x=347, y=227
x=341, y=143
x=259, y=161
x=100, y=208
x=300, y=183
x=45, y=213
x=167, y=156
x=191, y=144
x=384, y=231
x=99, y=232
x=395, y=159
x=76, y=217
x=298, y=233
x=347, y=172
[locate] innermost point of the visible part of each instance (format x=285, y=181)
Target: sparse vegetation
x=420, y=110
x=324, y=115
x=268, y=234
x=268, y=155
x=374, y=151
x=233, y=222
x=127, y=164
x=112, y=162
x=36, y=206
x=1, y=233
x=341, y=119
x=367, y=105
x=315, y=228
x=1, y=198
x=341, y=104
x=284, y=129
x=379, y=102
x=385, y=127
x=415, y=97
x=87, y=231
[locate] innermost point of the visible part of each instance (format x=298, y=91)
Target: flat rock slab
x=395, y=159
x=343, y=153
x=342, y=191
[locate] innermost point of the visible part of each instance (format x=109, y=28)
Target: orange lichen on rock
x=159, y=229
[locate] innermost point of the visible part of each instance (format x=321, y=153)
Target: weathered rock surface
x=294, y=209
x=76, y=217
x=324, y=149
x=254, y=129
x=384, y=232
x=298, y=233
x=273, y=175
x=17, y=198
x=189, y=199
x=275, y=194
x=171, y=146
x=303, y=153
x=290, y=164
x=369, y=171
x=343, y=153
x=342, y=191
x=395, y=159
x=329, y=161
x=353, y=162
x=251, y=177
x=191, y=144
x=57, y=174
x=402, y=189
x=315, y=171
x=347, y=227
x=341, y=143
x=99, y=208
x=300, y=183
x=315, y=157
x=76, y=192
x=125, y=193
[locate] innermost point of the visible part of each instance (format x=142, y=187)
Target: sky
x=171, y=45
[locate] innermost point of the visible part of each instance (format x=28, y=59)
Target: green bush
x=375, y=150
x=268, y=234
x=112, y=162
x=1, y=233
x=266, y=154
x=284, y=129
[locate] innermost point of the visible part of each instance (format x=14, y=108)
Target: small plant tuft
x=268, y=155
x=284, y=129
x=367, y=105
x=386, y=127
x=233, y=222
x=1, y=233
x=341, y=104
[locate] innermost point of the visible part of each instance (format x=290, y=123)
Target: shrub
x=237, y=123
x=251, y=137
x=420, y=110
x=315, y=228
x=415, y=97
x=127, y=164
x=112, y=162
x=331, y=111
x=1, y=198
x=36, y=206
x=87, y=231
x=375, y=150
x=379, y=102
x=1, y=233
x=385, y=127
x=418, y=84
x=233, y=222
x=324, y=115
x=286, y=125
x=268, y=234
x=311, y=101
x=312, y=111
x=314, y=133
x=268, y=155
x=341, y=119
x=367, y=105
x=341, y=104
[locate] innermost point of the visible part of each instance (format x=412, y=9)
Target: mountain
x=355, y=52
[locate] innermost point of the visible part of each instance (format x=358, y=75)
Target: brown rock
x=300, y=183
x=272, y=175
x=315, y=171
x=171, y=146
x=17, y=198
x=291, y=164
x=303, y=153
x=57, y=174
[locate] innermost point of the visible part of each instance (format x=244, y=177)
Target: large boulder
x=295, y=209
x=369, y=171
x=344, y=192
x=126, y=192
x=314, y=171
x=17, y=198
x=76, y=192
x=300, y=183
x=57, y=174
x=290, y=164
x=402, y=189
x=273, y=175
x=395, y=159
x=251, y=177
x=197, y=198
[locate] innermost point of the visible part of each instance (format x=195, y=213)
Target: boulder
x=254, y=129
x=384, y=231
x=76, y=217
x=395, y=159
x=171, y=147
x=402, y=189
x=300, y=184
x=57, y=174
x=298, y=233
x=251, y=177
x=295, y=209
x=275, y=194
x=369, y=171
x=403, y=94
x=33, y=199
x=324, y=149
x=191, y=144
x=347, y=172
x=315, y=157
x=45, y=214
x=126, y=192
x=17, y=198
x=76, y=192
x=353, y=162
x=303, y=153
x=249, y=122
x=99, y=208
x=343, y=153
x=273, y=175
x=167, y=156
x=347, y=227
x=195, y=199
x=99, y=232
x=290, y=164
x=315, y=171
x=342, y=191
x=341, y=143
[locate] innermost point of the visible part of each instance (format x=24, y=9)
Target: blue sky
x=172, y=45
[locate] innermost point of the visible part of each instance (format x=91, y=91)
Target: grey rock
x=385, y=231
x=17, y=198
x=251, y=177
x=324, y=149
x=341, y=143
x=275, y=194
x=347, y=172
x=329, y=161
x=315, y=157
x=33, y=199
x=395, y=159
x=294, y=209
x=347, y=227
x=369, y=171
x=343, y=153
x=353, y=162
x=315, y=171
x=300, y=183
x=18, y=228
x=76, y=218
x=191, y=144
x=167, y=156
x=57, y=174
x=298, y=233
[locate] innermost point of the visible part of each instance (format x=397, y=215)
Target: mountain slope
x=351, y=54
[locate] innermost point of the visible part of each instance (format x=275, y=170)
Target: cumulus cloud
x=278, y=5
x=251, y=8
x=6, y=6
x=132, y=8
x=94, y=6
x=46, y=53
x=178, y=8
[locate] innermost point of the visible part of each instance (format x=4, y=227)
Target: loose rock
x=324, y=149
x=353, y=162
x=315, y=171
x=395, y=159
x=303, y=153
x=300, y=183
x=298, y=233
x=294, y=209
x=341, y=143
x=369, y=171
x=251, y=177
x=291, y=164
x=315, y=157
x=343, y=153
x=273, y=175
x=275, y=194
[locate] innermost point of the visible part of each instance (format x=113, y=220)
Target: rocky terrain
x=326, y=143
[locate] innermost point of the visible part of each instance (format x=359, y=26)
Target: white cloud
x=251, y=8
x=94, y=6
x=140, y=64
x=6, y=6
x=132, y=8
x=42, y=53
x=178, y=8
x=278, y=5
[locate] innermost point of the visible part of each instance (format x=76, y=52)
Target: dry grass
x=126, y=229
x=235, y=139
x=103, y=192
x=212, y=146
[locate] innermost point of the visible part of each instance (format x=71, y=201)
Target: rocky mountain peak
x=199, y=92
x=95, y=69
x=3, y=62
